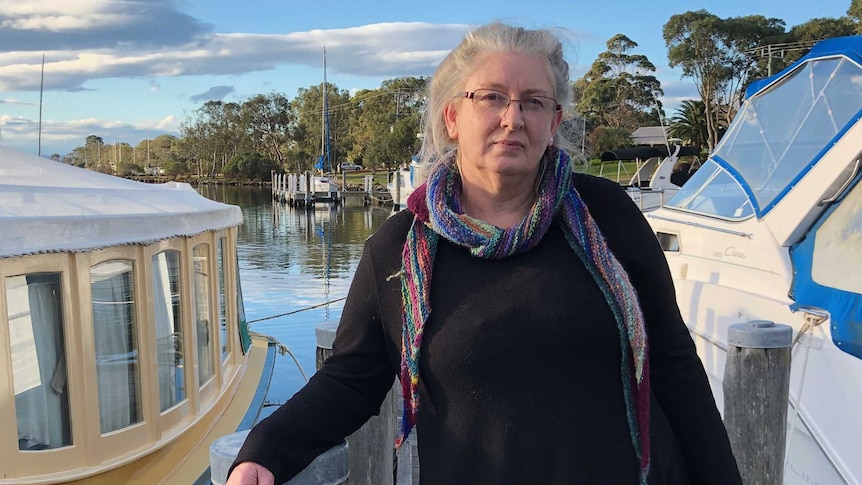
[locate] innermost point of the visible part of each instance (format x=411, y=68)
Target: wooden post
x=329, y=467
x=756, y=392
x=396, y=199
x=309, y=187
x=372, y=447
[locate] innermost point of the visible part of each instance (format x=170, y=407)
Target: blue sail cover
x=849, y=47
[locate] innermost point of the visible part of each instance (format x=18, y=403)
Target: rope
x=296, y=311
x=282, y=349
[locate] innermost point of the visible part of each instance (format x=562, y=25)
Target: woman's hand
x=249, y=473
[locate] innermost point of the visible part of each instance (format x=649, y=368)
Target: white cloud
x=15, y=101
x=168, y=123
x=72, y=8
x=64, y=22
x=78, y=25
x=387, y=49
x=59, y=136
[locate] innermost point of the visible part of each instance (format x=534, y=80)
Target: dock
x=306, y=190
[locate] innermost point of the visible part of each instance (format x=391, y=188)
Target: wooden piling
x=396, y=199
x=372, y=446
x=756, y=392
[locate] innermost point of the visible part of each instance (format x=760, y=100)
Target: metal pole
x=41, y=89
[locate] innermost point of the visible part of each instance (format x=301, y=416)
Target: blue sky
x=122, y=69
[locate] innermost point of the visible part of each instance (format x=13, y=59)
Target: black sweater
x=519, y=370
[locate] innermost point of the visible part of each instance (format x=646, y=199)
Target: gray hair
x=452, y=74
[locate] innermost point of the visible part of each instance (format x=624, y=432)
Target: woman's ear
x=450, y=115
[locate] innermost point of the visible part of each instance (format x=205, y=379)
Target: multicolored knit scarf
x=437, y=209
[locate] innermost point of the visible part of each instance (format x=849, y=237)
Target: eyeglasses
x=491, y=101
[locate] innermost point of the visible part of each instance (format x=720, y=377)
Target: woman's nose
x=513, y=116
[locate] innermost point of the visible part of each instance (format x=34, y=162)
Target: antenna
x=41, y=88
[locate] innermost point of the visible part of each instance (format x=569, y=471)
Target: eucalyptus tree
x=386, y=122
x=855, y=14
x=619, y=90
x=308, y=133
x=802, y=37
x=214, y=133
x=89, y=154
x=267, y=121
x=93, y=146
x=716, y=54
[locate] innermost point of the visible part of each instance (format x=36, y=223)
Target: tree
x=619, y=90
x=607, y=138
x=776, y=54
x=252, y=166
x=268, y=119
x=308, y=133
x=822, y=28
x=855, y=14
x=385, y=122
x=215, y=133
x=93, y=151
x=716, y=54
x=689, y=123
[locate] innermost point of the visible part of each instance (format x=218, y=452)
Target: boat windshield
x=777, y=136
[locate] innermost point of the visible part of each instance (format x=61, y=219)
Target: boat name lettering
x=801, y=474
x=732, y=251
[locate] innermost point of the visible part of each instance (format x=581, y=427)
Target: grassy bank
x=381, y=178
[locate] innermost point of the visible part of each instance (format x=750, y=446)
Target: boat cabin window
x=37, y=339
x=169, y=328
x=779, y=133
x=115, y=330
x=221, y=291
x=203, y=330
x=712, y=191
x=244, y=338
x=836, y=246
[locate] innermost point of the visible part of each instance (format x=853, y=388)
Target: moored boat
x=660, y=171
x=404, y=180
x=770, y=228
x=124, y=350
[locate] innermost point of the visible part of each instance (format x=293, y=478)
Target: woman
x=529, y=311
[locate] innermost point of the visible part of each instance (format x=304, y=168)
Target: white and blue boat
x=770, y=228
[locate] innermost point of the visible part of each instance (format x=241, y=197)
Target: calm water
x=291, y=259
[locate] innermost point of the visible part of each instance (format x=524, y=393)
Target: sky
x=126, y=70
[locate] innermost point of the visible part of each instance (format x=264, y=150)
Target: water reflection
x=291, y=259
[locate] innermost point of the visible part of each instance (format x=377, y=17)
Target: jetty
x=306, y=190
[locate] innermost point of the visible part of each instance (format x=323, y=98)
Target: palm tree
x=689, y=123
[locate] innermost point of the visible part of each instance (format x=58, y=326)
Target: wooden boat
x=124, y=350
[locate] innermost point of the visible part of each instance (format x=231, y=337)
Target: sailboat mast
x=323, y=113
x=41, y=88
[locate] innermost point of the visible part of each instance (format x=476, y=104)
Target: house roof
x=48, y=206
x=650, y=135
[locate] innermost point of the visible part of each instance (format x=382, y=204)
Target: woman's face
x=496, y=141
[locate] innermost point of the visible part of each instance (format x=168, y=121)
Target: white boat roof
x=48, y=206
